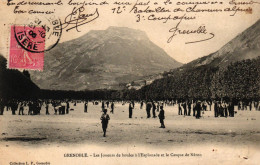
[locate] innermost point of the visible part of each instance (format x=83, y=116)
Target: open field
x=231, y=140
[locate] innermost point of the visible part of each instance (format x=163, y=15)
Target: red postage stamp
x=29, y=41
x=27, y=47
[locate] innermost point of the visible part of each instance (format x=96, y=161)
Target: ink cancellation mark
x=34, y=36
x=29, y=38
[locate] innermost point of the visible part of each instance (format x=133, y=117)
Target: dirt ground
x=48, y=137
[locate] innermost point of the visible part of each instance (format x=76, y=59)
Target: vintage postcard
x=129, y=82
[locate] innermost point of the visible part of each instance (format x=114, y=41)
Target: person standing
x=2, y=106
x=242, y=105
x=55, y=106
x=107, y=104
x=112, y=107
x=221, y=109
x=245, y=105
x=67, y=106
x=225, y=108
x=239, y=105
x=250, y=105
x=21, y=108
x=14, y=107
x=47, y=108
x=158, y=106
x=148, y=109
x=216, y=109
x=104, y=120
x=198, y=109
x=256, y=105
x=184, y=105
x=210, y=104
x=180, y=110
x=30, y=104
x=231, y=109
x=63, y=106
x=86, y=107
x=161, y=117
x=194, y=109
x=154, y=108
x=204, y=106
x=103, y=105
x=131, y=107
x=189, y=108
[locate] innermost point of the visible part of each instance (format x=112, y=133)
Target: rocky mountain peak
x=102, y=59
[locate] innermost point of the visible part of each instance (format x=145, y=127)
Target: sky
x=222, y=25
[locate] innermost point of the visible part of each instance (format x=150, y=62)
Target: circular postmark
x=39, y=35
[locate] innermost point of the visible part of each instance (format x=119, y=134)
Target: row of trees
x=14, y=84
x=240, y=80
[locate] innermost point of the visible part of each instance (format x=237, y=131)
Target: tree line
x=240, y=80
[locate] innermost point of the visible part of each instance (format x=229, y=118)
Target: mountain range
x=102, y=59
x=231, y=72
x=244, y=46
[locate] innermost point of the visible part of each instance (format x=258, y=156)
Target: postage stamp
x=27, y=47
x=29, y=42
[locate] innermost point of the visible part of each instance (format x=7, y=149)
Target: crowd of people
x=221, y=108
x=195, y=108
x=34, y=107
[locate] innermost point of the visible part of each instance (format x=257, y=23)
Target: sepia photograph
x=129, y=82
